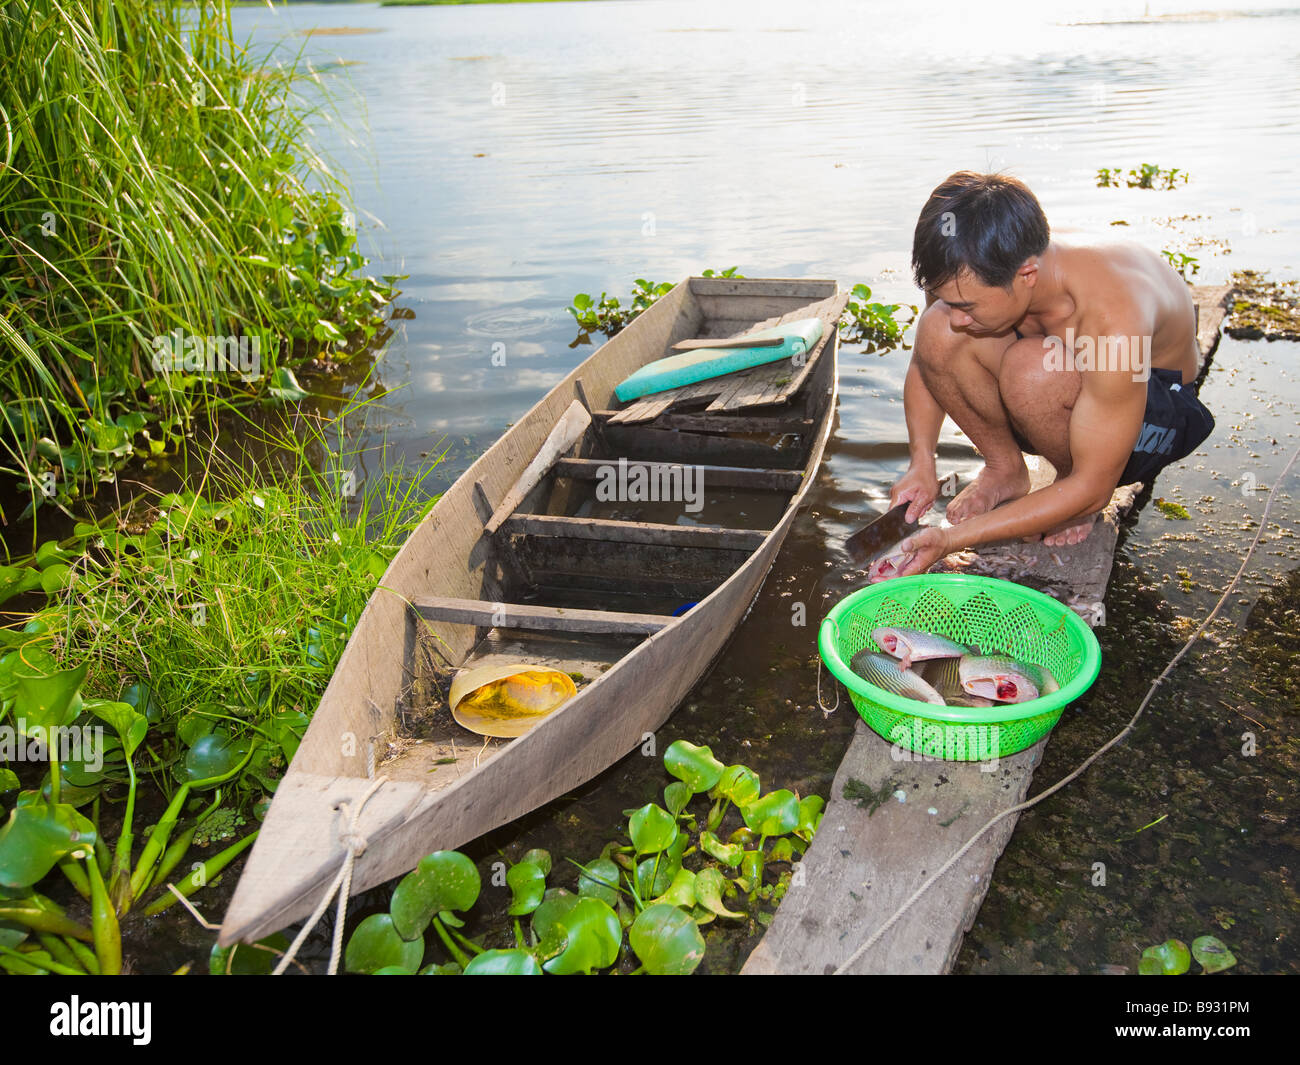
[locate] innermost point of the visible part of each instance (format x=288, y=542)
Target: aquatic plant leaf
x=8, y=780
x=599, y=880
x=667, y=941
x=376, y=945
x=709, y=886
x=681, y=892
x=36, y=836
x=751, y=867
x=693, y=766
x=504, y=963
x=654, y=876
x=15, y=580
x=214, y=755
x=775, y=814
x=782, y=850
x=129, y=726
x=450, y=969
x=540, y=858
x=444, y=880
x=652, y=829
x=554, y=907
x=738, y=783
x=1170, y=958
x=1213, y=954
x=726, y=853
x=676, y=796
x=249, y=960
x=593, y=936
x=287, y=729
x=78, y=769
x=810, y=816
x=50, y=701
x=527, y=883
x=284, y=386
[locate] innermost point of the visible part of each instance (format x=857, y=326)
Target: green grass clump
x=156, y=190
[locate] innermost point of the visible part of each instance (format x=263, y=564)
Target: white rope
x=354, y=845
x=1263, y=523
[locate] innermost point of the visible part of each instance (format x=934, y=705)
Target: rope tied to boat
x=876, y=936
x=354, y=844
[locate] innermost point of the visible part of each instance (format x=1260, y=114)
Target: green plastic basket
x=992, y=614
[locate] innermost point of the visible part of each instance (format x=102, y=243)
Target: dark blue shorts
x=1175, y=424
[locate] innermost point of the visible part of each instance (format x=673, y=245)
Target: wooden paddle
x=736, y=342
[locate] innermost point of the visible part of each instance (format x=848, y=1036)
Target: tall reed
x=155, y=182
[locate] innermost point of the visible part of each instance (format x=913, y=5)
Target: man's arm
x=1104, y=427
x=918, y=485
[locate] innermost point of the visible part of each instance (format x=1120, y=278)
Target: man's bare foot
x=989, y=489
x=1067, y=535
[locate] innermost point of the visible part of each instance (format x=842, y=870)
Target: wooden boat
x=520, y=561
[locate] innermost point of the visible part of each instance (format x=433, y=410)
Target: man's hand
x=925, y=548
x=919, y=487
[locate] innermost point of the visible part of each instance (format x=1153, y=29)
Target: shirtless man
x=1084, y=355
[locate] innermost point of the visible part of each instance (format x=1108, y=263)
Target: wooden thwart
x=538, y=618
x=725, y=476
x=634, y=532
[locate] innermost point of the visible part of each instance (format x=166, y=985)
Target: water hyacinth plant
x=639, y=906
x=197, y=638
x=161, y=216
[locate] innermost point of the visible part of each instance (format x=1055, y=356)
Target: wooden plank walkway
x=864, y=863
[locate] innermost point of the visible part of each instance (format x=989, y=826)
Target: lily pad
x=652, y=829
x=214, y=755
x=810, y=816
x=1170, y=958
x=36, y=836
x=593, y=936
x=694, y=766
x=738, y=783
x=599, y=880
x=284, y=386
x=775, y=814
x=504, y=963
x=49, y=701
x=527, y=883
x=540, y=858
x=681, y=892
x=1213, y=954
x=726, y=853
x=15, y=580
x=248, y=960
x=376, y=945
x=129, y=726
x=654, y=876
x=444, y=880
x=667, y=941
x=676, y=796
x=709, y=886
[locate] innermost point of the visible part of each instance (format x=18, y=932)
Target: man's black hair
x=988, y=223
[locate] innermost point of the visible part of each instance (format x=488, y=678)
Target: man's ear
x=1028, y=271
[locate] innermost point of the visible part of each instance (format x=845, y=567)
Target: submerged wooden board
x=861, y=866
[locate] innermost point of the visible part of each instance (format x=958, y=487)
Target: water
x=507, y=157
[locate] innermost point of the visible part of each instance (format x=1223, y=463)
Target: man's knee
x=935, y=341
x=1028, y=380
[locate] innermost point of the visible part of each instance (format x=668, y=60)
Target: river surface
x=507, y=157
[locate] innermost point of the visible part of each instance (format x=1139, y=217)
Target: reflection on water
x=519, y=154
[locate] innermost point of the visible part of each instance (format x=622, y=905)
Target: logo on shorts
x=1155, y=440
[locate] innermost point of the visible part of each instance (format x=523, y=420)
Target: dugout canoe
x=522, y=559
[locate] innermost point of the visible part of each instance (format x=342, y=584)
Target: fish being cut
x=1004, y=679
x=884, y=672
